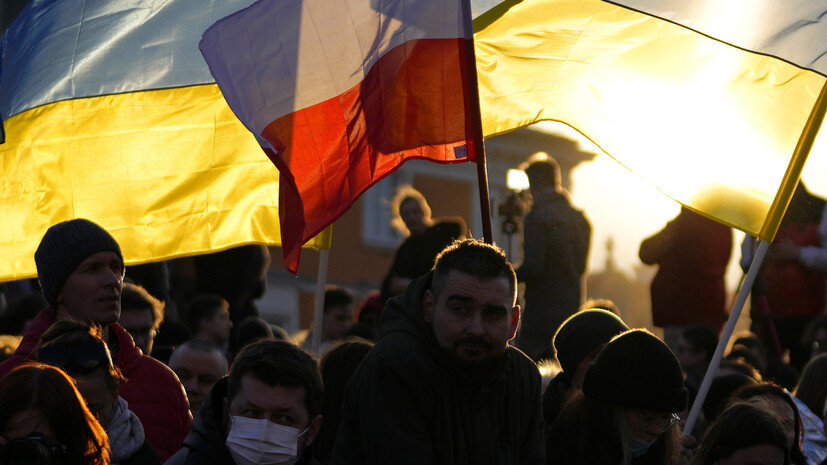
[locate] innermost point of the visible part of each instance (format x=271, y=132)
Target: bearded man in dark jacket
x=442, y=386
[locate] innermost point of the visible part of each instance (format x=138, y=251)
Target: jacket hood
x=404, y=313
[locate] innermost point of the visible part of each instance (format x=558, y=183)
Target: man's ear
x=515, y=321
x=315, y=427
x=428, y=306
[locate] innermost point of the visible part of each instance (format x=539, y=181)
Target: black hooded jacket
x=407, y=403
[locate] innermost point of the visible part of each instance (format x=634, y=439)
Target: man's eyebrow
x=463, y=298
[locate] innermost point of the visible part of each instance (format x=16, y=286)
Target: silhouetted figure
x=695, y=347
x=692, y=253
x=790, y=289
x=337, y=318
x=426, y=238
x=809, y=396
x=556, y=243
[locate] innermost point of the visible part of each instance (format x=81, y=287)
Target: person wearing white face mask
x=267, y=411
x=625, y=414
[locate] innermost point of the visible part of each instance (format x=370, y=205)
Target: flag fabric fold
x=713, y=121
x=110, y=113
x=341, y=93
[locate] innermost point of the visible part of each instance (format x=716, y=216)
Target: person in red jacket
x=692, y=253
x=80, y=269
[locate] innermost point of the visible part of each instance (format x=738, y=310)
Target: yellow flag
x=713, y=125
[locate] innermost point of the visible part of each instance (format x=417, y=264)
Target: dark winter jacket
x=408, y=404
x=153, y=391
x=556, y=243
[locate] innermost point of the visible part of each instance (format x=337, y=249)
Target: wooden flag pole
x=479, y=143
x=743, y=292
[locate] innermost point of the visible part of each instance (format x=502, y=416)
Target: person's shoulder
x=522, y=365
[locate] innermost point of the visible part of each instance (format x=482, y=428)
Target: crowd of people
x=440, y=365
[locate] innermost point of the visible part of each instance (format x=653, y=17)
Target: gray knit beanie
x=64, y=246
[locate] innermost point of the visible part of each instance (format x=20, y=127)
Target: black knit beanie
x=62, y=249
x=637, y=370
x=583, y=332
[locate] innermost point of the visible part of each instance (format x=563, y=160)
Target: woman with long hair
x=41, y=410
x=746, y=432
x=626, y=412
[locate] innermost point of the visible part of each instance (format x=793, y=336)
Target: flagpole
x=774, y=217
x=479, y=143
x=743, y=292
x=321, y=282
x=324, y=242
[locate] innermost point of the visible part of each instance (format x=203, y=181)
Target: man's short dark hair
x=279, y=363
x=543, y=173
x=201, y=307
x=474, y=258
x=335, y=296
x=136, y=298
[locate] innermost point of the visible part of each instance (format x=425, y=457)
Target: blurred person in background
x=746, y=433
x=199, y=365
x=782, y=404
x=426, y=238
x=337, y=318
x=141, y=316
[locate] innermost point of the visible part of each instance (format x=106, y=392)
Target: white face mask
x=260, y=441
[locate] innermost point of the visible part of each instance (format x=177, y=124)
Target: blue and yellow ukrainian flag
x=111, y=114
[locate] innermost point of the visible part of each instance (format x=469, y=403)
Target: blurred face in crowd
x=412, y=215
x=283, y=405
x=336, y=321
x=217, y=328
x=473, y=319
x=98, y=395
x=24, y=423
x=139, y=323
x=198, y=371
x=690, y=358
x=93, y=290
x=762, y=454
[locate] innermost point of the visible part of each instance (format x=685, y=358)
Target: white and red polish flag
x=340, y=93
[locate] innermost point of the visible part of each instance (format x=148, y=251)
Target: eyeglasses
x=76, y=360
x=663, y=422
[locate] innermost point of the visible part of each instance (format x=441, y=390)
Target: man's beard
x=478, y=363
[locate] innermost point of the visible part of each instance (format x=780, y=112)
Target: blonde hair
x=404, y=193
